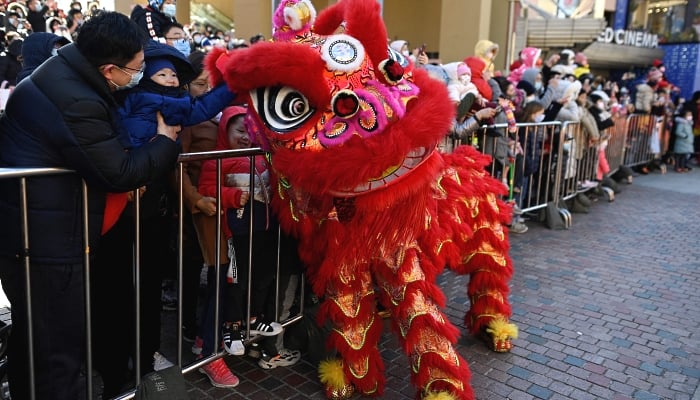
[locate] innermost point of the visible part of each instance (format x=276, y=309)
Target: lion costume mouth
x=391, y=175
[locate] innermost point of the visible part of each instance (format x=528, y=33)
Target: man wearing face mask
x=154, y=17
x=176, y=37
x=11, y=22
x=35, y=15
x=64, y=116
x=36, y=49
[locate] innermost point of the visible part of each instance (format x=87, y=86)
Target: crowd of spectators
x=559, y=86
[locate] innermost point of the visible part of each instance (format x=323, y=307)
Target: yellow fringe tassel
x=439, y=396
x=331, y=374
x=500, y=329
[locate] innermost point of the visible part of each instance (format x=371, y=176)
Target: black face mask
x=653, y=83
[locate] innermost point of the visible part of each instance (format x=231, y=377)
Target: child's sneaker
x=219, y=374
x=197, y=346
x=261, y=328
x=232, y=339
x=291, y=356
x=160, y=362
x=270, y=362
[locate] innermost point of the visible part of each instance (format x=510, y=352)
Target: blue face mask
x=169, y=10
x=538, y=85
x=183, y=45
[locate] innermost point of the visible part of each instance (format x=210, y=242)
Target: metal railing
x=23, y=174
x=558, y=161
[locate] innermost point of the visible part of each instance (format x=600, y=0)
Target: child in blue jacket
x=161, y=89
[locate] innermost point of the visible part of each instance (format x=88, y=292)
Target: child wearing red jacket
x=236, y=194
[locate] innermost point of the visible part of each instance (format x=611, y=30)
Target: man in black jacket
x=64, y=115
x=36, y=15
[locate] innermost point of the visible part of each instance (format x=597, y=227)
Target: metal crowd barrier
x=542, y=143
x=567, y=161
x=27, y=173
x=640, y=133
x=579, y=162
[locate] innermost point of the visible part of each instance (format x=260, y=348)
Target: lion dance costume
x=351, y=131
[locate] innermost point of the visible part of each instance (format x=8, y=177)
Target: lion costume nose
x=345, y=103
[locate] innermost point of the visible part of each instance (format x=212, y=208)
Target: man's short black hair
x=110, y=38
x=170, y=25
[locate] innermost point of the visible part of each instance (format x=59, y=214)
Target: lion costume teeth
x=378, y=212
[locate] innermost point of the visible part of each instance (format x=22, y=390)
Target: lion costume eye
x=281, y=108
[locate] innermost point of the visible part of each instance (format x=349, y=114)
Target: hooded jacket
x=529, y=57
x=138, y=112
x=37, y=48
x=477, y=66
x=487, y=51
x=235, y=178
x=684, y=136
x=78, y=130
x=455, y=88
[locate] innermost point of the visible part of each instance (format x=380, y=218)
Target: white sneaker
x=261, y=328
x=232, y=339
x=160, y=362
x=518, y=227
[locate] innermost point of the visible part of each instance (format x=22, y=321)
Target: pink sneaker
x=219, y=375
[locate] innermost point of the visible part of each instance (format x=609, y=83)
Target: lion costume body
x=351, y=131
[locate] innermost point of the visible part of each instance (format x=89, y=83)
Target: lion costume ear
x=215, y=62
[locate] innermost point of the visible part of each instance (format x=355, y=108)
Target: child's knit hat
x=153, y=65
x=463, y=69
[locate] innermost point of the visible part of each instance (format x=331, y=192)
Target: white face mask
x=405, y=53
x=135, y=79
x=689, y=118
x=465, y=79
x=169, y=10
x=600, y=105
x=539, y=118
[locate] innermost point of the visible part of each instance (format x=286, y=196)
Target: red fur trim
x=459, y=373
x=295, y=65
x=329, y=19
x=364, y=22
x=214, y=66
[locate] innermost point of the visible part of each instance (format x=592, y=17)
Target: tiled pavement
x=609, y=309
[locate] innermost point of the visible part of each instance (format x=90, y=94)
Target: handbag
x=166, y=384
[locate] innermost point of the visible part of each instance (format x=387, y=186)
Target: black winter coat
x=64, y=116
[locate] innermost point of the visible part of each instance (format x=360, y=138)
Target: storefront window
x=667, y=18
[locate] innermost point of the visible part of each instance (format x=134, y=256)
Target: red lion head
x=339, y=111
